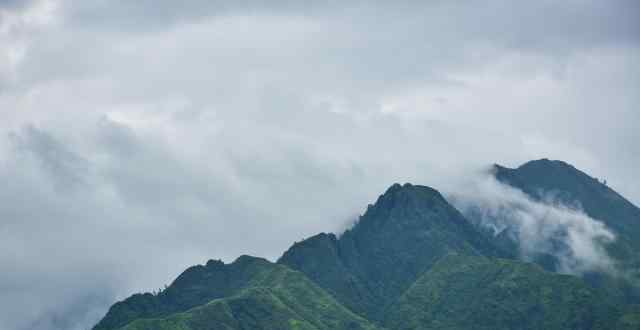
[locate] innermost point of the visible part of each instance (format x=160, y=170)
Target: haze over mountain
x=412, y=261
x=139, y=138
x=559, y=182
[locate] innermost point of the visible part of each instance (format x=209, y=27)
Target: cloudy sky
x=140, y=137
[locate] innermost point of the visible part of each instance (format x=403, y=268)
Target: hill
x=554, y=181
x=412, y=261
x=462, y=292
x=407, y=230
x=250, y=293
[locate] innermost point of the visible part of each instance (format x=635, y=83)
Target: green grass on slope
x=405, y=232
x=462, y=292
x=196, y=286
x=545, y=179
x=277, y=299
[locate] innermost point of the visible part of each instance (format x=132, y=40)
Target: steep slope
x=250, y=293
x=556, y=181
x=319, y=257
x=551, y=179
x=406, y=231
x=412, y=261
x=462, y=292
x=195, y=286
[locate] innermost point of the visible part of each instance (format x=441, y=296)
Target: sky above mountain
x=140, y=137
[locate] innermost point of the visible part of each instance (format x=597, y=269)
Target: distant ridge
x=542, y=178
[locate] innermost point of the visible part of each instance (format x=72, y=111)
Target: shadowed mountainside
x=462, y=292
x=554, y=181
x=250, y=293
x=406, y=231
x=412, y=261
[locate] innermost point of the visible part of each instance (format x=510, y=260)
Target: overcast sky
x=140, y=137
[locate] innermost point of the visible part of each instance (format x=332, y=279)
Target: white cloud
x=140, y=138
x=538, y=228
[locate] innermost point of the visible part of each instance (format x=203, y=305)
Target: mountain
x=544, y=179
x=250, y=293
x=412, y=261
x=463, y=292
x=408, y=229
x=558, y=182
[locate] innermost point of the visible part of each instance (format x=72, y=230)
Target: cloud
x=576, y=241
x=138, y=138
x=127, y=206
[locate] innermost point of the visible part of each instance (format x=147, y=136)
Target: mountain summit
x=556, y=180
x=406, y=231
x=412, y=261
x=250, y=293
x=543, y=178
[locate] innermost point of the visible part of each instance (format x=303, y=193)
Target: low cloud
x=546, y=228
x=139, y=138
x=127, y=204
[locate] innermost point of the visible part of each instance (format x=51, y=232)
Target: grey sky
x=137, y=138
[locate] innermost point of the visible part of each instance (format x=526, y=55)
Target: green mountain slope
x=406, y=231
x=259, y=295
x=195, y=286
x=462, y=292
x=412, y=261
x=543, y=179
x=556, y=181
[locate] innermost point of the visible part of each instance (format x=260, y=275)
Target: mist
x=137, y=139
x=538, y=228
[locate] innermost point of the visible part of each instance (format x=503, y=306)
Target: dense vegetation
x=260, y=295
x=546, y=179
x=412, y=261
x=559, y=182
x=462, y=292
x=407, y=230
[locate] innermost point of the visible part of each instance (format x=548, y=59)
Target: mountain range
x=413, y=261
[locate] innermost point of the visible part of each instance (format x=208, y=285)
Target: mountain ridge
x=406, y=230
x=559, y=182
x=408, y=247
x=263, y=295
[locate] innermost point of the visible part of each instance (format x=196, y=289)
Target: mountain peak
x=320, y=246
x=547, y=164
x=411, y=261
x=214, y=263
x=247, y=259
x=195, y=286
x=544, y=175
x=403, y=198
x=401, y=235
x=397, y=188
x=561, y=182
x=543, y=164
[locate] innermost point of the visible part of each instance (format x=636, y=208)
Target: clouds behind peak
x=142, y=137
